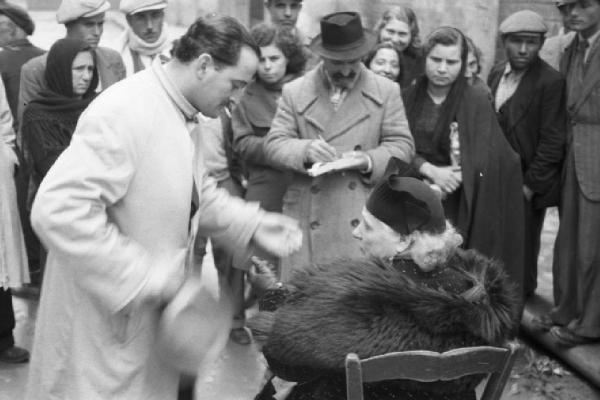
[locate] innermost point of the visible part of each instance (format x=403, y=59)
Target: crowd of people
x=366, y=177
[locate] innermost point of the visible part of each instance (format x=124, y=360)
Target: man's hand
x=528, y=193
x=261, y=275
x=278, y=234
x=320, y=151
x=447, y=178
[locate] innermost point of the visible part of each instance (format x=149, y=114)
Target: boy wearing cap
x=146, y=36
x=576, y=269
x=83, y=20
x=529, y=98
x=339, y=109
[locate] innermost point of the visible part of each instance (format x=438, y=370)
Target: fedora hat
x=342, y=37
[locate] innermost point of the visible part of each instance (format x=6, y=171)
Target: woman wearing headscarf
x=49, y=121
x=414, y=290
x=398, y=25
x=463, y=153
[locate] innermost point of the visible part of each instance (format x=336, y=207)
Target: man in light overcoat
x=340, y=111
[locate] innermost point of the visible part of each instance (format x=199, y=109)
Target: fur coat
x=371, y=309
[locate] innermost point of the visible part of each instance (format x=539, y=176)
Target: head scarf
x=59, y=94
x=416, y=96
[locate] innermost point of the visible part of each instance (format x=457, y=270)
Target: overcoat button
x=314, y=189
x=314, y=225
x=352, y=185
x=354, y=223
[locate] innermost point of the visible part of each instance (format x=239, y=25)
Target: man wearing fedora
x=83, y=19
x=340, y=111
x=146, y=36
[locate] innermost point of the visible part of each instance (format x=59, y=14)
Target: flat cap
x=18, y=16
x=70, y=10
x=137, y=6
x=523, y=21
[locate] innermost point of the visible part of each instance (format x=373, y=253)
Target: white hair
x=431, y=249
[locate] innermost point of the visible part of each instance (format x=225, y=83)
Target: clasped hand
x=447, y=178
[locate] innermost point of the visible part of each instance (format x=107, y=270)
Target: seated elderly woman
x=415, y=289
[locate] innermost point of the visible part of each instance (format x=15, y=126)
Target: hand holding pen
x=320, y=151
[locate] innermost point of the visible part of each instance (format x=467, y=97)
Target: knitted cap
x=18, y=16
x=407, y=205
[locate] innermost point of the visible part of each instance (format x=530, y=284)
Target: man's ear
x=204, y=63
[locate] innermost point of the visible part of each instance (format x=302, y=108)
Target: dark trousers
x=7, y=320
x=534, y=221
x=32, y=243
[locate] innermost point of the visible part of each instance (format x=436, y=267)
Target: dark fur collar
x=369, y=308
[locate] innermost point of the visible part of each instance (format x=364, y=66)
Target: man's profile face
x=522, y=49
x=6, y=30
x=221, y=86
x=88, y=29
x=147, y=25
x=342, y=73
x=284, y=12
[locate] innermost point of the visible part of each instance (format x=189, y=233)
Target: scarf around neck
x=144, y=48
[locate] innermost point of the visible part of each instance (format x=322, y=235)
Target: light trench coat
x=371, y=118
x=14, y=270
x=114, y=208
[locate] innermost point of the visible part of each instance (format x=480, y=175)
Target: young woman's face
x=442, y=65
x=272, y=64
x=397, y=33
x=377, y=239
x=386, y=63
x=472, y=65
x=82, y=71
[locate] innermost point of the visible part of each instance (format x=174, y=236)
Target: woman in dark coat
x=415, y=290
x=398, y=25
x=282, y=59
x=461, y=151
x=49, y=121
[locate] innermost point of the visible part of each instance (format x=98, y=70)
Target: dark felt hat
x=407, y=204
x=18, y=16
x=342, y=37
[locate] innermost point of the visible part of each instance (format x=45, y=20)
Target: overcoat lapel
x=523, y=97
x=314, y=103
x=591, y=77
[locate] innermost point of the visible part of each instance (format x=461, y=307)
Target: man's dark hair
x=218, y=35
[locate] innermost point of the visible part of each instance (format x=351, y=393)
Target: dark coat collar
x=592, y=76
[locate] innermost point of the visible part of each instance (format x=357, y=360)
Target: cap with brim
x=71, y=10
x=561, y=3
x=161, y=6
x=342, y=37
x=523, y=21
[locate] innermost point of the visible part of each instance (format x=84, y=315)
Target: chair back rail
x=429, y=366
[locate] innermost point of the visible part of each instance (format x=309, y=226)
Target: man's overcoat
x=371, y=118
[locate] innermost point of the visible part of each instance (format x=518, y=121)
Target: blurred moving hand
x=278, y=234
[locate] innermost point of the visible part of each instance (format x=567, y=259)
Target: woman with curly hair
x=414, y=290
x=282, y=59
x=385, y=60
x=398, y=25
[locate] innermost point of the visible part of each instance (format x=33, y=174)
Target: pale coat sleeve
x=283, y=147
x=6, y=126
x=395, y=137
x=70, y=214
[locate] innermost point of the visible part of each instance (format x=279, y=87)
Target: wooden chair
x=429, y=366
